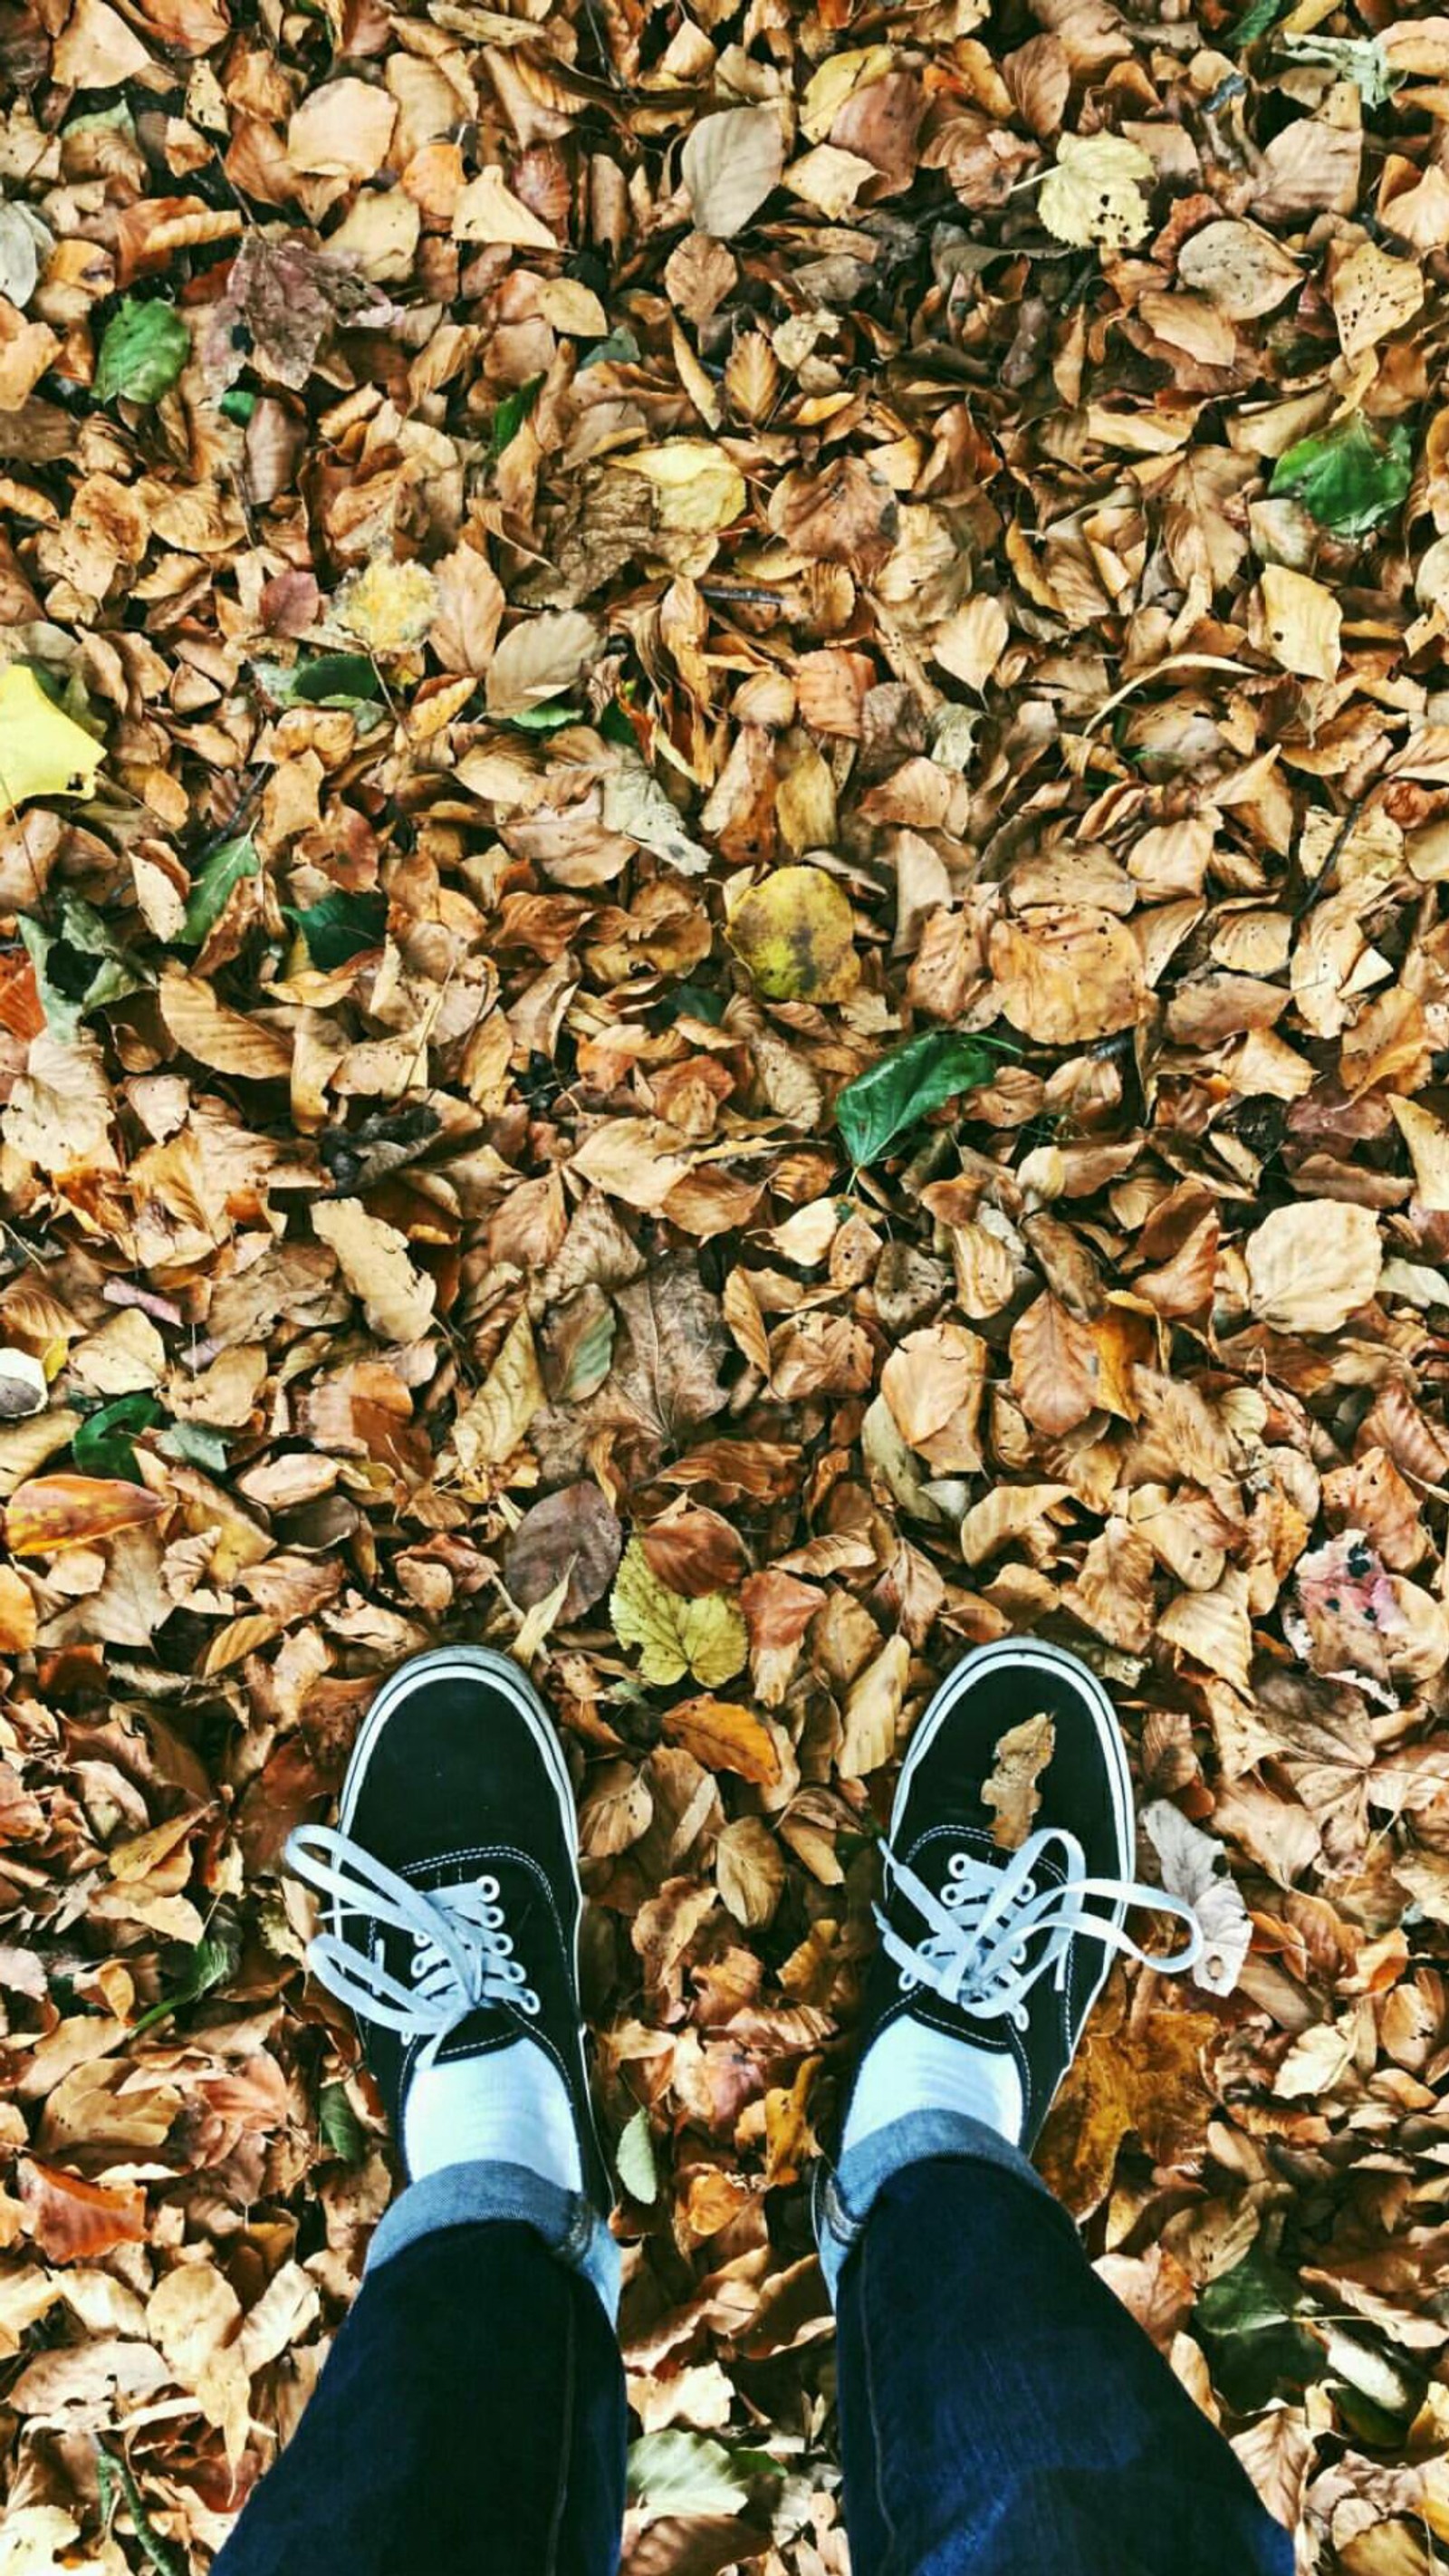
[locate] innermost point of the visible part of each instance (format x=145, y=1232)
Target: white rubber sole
x=1026, y=1655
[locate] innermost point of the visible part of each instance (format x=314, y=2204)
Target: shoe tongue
x=491, y=2026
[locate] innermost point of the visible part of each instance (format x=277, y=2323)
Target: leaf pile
x=724, y=784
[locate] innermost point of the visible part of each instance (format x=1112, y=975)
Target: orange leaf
x=725, y=1737
x=74, y=2221
x=1145, y=2081
x=48, y=1514
x=1053, y=1367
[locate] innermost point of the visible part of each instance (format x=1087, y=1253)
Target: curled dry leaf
x=1012, y=1786
x=1195, y=1867
x=373, y=1259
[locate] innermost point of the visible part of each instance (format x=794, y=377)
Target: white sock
x=911, y=2067
x=509, y=2107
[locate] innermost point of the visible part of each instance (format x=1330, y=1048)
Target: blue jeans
x=1000, y=2412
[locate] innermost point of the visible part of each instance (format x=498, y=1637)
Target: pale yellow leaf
x=697, y=486
x=729, y=165
x=373, y=1258
x=493, y=1424
x=1092, y=195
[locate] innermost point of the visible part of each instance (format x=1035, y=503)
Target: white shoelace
x=989, y=1918
x=462, y=1950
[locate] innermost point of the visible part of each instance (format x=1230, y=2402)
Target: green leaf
x=101, y=1446
x=905, y=1086
x=1348, y=477
x=143, y=351
x=112, y=2471
x=80, y=965
x=634, y=2158
x=341, y=2128
x=211, y=1963
x=511, y=414
x=1259, y=2349
x=621, y=349
x=335, y=678
x=238, y=405
x=1255, y=22
x=1255, y=2294
x=198, y=1444
x=346, y=680
x=341, y=926
x=225, y=868
x=549, y=718
x=1356, y=58
x=684, y=2473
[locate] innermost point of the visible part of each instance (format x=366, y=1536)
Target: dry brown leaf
x=1012, y=1786
x=373, y=1259
x=1311, y=1265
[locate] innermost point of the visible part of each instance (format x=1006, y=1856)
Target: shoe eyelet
x=529, y=2001
x=488, y=1890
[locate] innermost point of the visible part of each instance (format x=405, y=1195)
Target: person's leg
x=472, y=2414
x=1002, y=2414
x=470, y=2417
x=1000, y=2411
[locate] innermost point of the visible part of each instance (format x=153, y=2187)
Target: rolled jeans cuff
x=846, y=2193
x=470, y=2195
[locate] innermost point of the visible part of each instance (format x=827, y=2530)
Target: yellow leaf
x=795, y=935
x=838, y=79
x=721, y=1734
x=388, y=606
x=1299, y=624
x=697, y=485
x=488, y=211
x=42, y=751
x=505, y=1404
x=373, y=1259
x=706, y=1637
x=1092, y=195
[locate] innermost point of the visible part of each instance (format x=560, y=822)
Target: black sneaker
x=991, y=1960
x=450, y=1920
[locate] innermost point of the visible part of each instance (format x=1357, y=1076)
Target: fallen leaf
x=43, y=752
x=795, y=933
x=1092, y=195
x=729, y=165
x=705, y=1636
x=373, y=1259
x=1311, y=1265
x=1012, y=1787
